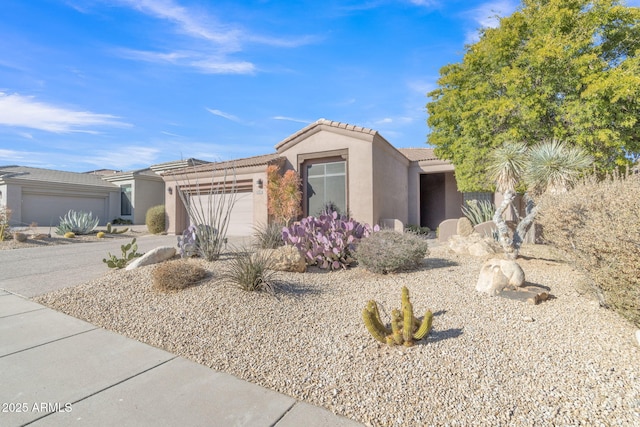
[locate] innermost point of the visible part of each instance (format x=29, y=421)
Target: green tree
x=564, y=69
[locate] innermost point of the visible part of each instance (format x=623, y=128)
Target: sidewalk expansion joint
x=52, y=341
x=23, y=312
x=284, y=414
x=106, y=388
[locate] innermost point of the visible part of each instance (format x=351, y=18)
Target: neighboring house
x=352, y=167
x=139, y=191
x=42, y=196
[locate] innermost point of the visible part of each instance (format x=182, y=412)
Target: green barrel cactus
x=404, y=328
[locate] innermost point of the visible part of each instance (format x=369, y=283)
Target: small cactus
x=100, y=235
x=115, y=262
x=69, y=235
x=405, y=327
x=114, y=230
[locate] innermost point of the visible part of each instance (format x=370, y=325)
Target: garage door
x=241, y=218
x=46, y=210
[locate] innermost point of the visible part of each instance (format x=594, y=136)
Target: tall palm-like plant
x=548, y=166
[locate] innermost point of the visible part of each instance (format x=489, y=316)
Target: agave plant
x=77, y=223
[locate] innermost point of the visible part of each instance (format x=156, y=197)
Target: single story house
x=352, y=167
x=42, y=196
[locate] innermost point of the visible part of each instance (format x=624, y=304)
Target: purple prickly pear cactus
x=328, y=240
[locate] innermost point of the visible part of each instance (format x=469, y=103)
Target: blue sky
x=123, y=84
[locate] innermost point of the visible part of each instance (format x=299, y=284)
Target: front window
x=326, y=185
x=126, y=206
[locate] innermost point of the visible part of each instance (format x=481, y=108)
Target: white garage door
x=241, y=220
x=46, y=210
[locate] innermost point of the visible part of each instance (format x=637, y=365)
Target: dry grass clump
x=388, y=251
x=597, y=225
x=177, y=274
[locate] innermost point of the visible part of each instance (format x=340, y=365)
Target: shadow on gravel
x=438, y=263
x=296, y=289
x=435, y=336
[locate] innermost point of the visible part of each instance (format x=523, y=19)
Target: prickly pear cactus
x=405, y=328
x=115, y=262
x=113, y=230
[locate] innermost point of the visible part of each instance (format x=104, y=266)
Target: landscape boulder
x=464, y=227
x=474, y=244
x=154, y=256
x=20, y=237
x=286, y=258
x=498, y=274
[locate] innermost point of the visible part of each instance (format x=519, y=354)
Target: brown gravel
x=488, y=361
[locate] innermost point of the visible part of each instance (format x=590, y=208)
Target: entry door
x=432, y=200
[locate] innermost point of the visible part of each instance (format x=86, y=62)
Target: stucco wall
x=177, y=219
x=359, y=165
x=390, y=183
x=146, y=193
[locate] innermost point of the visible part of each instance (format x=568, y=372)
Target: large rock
x=464, y=227
x=286, y=258
x=498, y=274
x=154, y=256
x=474, y=244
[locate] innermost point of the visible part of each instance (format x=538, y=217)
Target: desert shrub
x=328, y=240
x=77, y=223
x=175, y=275
x=196, y=241
x=283, y=194
x=388, y=251
x=155, y=219
x=268, y=236
x=249, y=271
x=5, y=216
x=597, y=226
x=416, y=229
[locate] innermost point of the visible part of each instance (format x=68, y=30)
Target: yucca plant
x=549, y=166
x=249, y=271
x=77, y=223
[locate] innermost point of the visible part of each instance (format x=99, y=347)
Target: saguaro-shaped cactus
x=405, y=328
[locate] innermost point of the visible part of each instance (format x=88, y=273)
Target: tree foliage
x=283, y=195
x=563, y=69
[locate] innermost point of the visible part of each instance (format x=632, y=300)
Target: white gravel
x=488, y=361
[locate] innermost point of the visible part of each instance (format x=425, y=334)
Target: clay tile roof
x=325, y=122
x=26, y=173
x=246, y=162
x=418, y=154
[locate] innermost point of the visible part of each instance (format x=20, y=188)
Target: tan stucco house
x=353, y=167
x=42, y=196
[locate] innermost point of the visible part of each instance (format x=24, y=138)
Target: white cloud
x=487, y=16
x=193, y=59
x=24, y=111
x=292, y=119
x=220, y=39
x=224, y=115
x=425, y=3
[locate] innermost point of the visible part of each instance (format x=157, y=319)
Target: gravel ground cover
x=488, y=361
x=45, y=237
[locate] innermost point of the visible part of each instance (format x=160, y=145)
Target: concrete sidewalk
x=56, y=370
